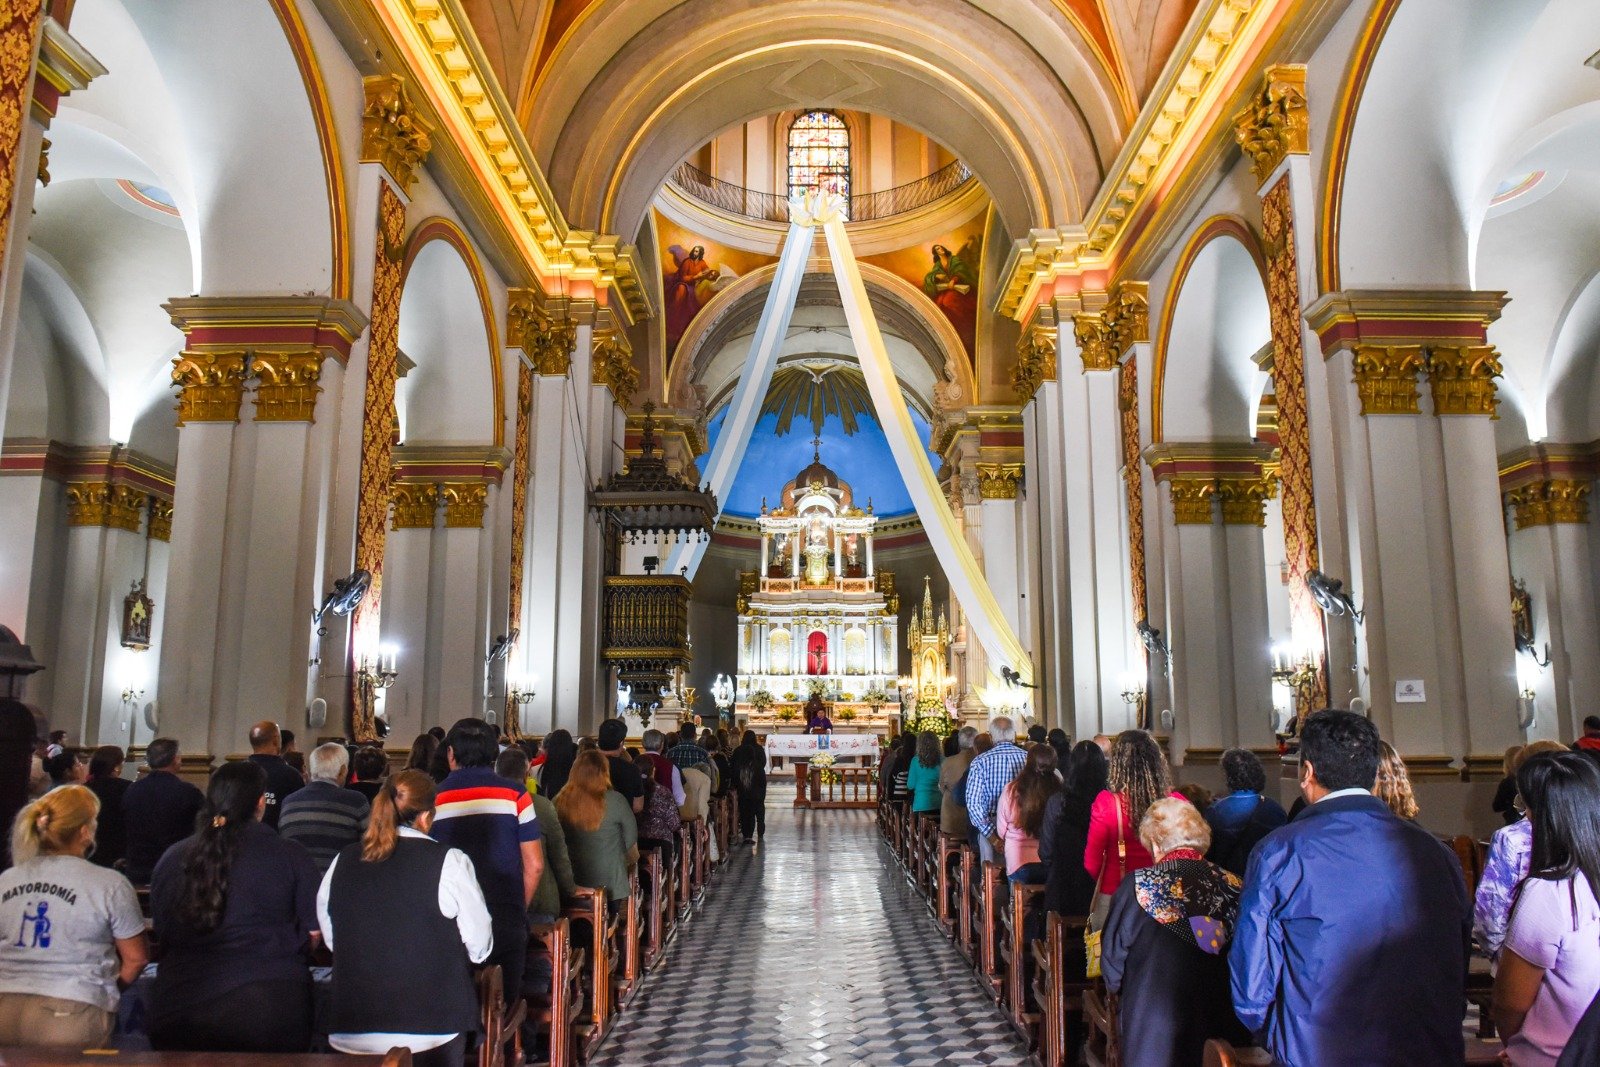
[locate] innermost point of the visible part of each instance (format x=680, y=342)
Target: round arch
x=442, y=289
x=907, y=309
x=1232, y=231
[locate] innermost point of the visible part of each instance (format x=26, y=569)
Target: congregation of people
x=410, y=879
x=1339, y=931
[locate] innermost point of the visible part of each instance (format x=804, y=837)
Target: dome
x=818, y=473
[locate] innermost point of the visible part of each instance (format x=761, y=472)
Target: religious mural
x=693, y=270
x=947, y=270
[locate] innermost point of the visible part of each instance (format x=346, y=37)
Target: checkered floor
x=812, y=950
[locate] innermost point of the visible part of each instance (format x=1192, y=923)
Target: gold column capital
x=1462, y=379
x=1275, y=124
x=1191, y=500
x=612, y=364
x=532, y=326
x=464, y=504
x=999, y=481
x=210, y=385
x=1036, y=359
x=414, y=505
x=159, y=527
x=1244, y=499
x=286, y=385
x=1386, y=378
x=393, y=134
x=117, y=507
x=1096, y=337
x=1128, y=316
x=1551, y=502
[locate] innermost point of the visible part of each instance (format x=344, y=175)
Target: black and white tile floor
x=812, y=950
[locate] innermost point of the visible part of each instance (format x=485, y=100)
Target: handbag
x=1097, y=913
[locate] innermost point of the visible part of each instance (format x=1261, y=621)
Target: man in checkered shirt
x=987, y=779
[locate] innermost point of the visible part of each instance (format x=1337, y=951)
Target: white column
x=541, y=575
x=1246, y=622
x=456, y=684
x=407, y=570
x=1197, y=584
x=872, y=567
x=1555, y=562
x=764, y=549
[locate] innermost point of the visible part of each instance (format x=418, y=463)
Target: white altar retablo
x=862, y=748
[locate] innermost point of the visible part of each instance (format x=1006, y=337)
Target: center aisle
x=812, y=950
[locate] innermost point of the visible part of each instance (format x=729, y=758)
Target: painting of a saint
x=952, y=283
x=688, y=282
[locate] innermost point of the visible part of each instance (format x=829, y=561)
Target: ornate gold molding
x=414, y=506
x=1128, y=316
x=1462, y=379
x=1095, y=336
x=532, y=326
x=999, y=481
x=1191, y=500
x=1550, y=502
x=118, y=507
x=611, y=364
x=1036, y=359
x=1386, y=378
x=210, y=385
x=464, y=504
x=393, y=132
x=286, y=385
x=159, y=527
x=1275, y=124
x=1244, y=500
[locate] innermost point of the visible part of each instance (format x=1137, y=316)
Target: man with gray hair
x=987, y=779
x=953, y=772
x=666, y=772
x=325, y=816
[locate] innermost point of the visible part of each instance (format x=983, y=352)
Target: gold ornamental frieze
x=1244, y=500
x=414, y=506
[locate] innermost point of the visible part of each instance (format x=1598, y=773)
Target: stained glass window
x=819, y=154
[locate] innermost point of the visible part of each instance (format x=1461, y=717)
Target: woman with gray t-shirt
x=71, y=935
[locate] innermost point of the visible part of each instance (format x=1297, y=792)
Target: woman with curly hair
x=235, y=909
x=1136, y=778
x=1393, y=786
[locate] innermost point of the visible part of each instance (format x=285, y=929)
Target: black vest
x=399, y=966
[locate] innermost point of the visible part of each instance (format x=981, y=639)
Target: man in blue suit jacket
x=1351, y=946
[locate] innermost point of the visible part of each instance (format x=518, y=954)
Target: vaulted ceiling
x=1035, y=95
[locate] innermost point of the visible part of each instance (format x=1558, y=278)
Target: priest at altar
x=817, y=721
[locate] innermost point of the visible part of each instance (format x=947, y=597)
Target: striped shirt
x=988, y=776
x=323, y=818
x=489, y=818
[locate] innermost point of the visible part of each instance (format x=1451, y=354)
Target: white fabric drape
x=745, y=408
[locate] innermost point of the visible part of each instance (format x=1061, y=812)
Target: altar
x=862, y=749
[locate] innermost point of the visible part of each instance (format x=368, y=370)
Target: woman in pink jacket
x=1020, y=814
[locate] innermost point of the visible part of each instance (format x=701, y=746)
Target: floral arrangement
x=761, y=700
x=824, y=762
x=847, y=714
x=823, y=759
x=931, y=715
x=817, y=688
x=788, y=713
x=789, y=695
x=876, y=696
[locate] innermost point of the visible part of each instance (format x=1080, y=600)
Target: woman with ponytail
x=235, y=910
x=79, y=937
x=397, y=897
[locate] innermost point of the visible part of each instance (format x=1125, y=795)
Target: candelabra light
x=380, y=671
x=1297, y=676
x=1133, y=695
x=519, y=690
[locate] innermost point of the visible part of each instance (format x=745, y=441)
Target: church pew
x=1021, y=1006
x=632, y=968
x=656, y=884
x=971, y=900
x=500, y=1044
x=1060, y=1000
x=554, y=1011
x=949, y=882
x=928, y=867
x=992, y=881
x=1219, y=1053
x=590, y=906
x=702, y=857
x=48, y=1057
x=683, y=890
x=1101, y=1049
